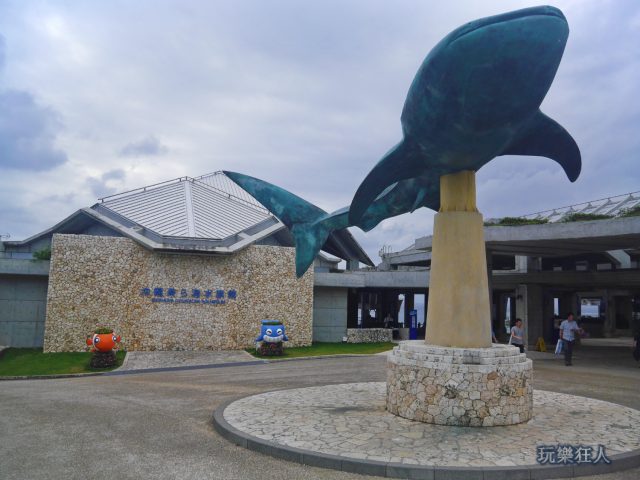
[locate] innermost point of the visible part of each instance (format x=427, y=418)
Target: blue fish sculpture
x=272, y=331
x=476, y=96
x=310, y=225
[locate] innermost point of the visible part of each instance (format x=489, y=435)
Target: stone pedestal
x=477, y=387
x=458, y=312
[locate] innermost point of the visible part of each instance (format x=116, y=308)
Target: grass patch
x=32, y=361
x=321, y=348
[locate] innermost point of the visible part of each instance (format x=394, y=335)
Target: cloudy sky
x=100, y=97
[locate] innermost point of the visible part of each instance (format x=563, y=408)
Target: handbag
x=559, y=346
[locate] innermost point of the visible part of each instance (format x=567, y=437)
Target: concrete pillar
x=547, y=315
x=529, y=308
x=459, y=313
x=353, y=264
x=408, y=306
x=609, y=326
x=492, y=303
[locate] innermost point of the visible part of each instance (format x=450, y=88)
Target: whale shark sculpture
x=310, y=225
x=476, y=96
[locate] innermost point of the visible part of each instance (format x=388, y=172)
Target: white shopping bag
x=559, y=347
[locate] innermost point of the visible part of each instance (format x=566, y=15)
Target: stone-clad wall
x=459, y=386
x=369, y=335
x=102, y=281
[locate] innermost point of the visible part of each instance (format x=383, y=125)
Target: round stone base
x=476, y=387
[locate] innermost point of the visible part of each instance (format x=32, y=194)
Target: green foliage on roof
x=516, y=221
x=584, y=217
x=630, y=212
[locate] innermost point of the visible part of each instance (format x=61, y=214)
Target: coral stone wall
x=206, y=302
x=369, y=335
x=477, y=387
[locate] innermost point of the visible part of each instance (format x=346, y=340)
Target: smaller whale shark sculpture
x=476, y=96
x=310, y=225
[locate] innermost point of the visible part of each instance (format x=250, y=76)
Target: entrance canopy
x=559, y=239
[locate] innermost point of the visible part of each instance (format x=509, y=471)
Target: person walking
x=568, y=329
x=517, y=335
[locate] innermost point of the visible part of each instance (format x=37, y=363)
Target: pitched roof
x=187, y=207
x=209, y=213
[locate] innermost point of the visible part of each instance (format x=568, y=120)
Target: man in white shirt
x=568, y=331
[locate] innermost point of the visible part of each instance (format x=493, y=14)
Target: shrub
x=42, y=254
x=271, y=349
x=630, y=212
x=102, y=330
x=584, y=217
x=516, y=221
x=271, y=322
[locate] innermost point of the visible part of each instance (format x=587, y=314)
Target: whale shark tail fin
x=545, y=137
x=309, y=238
x=398, y=164
x=309, y=225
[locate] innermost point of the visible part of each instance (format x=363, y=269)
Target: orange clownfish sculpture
x=103, y=342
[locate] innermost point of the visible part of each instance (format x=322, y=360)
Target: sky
x=102, y=97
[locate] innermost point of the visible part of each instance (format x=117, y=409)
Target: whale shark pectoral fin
x=545, y=137
x=422, y=192
x=398, y=164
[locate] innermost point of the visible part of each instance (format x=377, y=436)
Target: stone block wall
x=369, y=335
x=477, y=387
x=115, y=282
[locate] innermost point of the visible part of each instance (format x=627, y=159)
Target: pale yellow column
x=458, y=314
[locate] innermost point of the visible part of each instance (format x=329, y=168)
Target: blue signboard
x=413, y=325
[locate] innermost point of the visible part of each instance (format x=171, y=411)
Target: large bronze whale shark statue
x=476, y=96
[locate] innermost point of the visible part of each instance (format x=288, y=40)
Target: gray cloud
x=145, y=147
x=100, y=186
x=305, y=95
x=2, y=52
x=27, y=133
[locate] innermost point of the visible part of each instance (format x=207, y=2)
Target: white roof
x=603, y=206
x=206, y=207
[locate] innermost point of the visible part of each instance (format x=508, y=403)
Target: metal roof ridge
x=146, y=188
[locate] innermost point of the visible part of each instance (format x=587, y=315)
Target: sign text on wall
x=189, y=295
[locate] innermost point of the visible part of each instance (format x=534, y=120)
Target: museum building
x=188, y=264
x=196, y=263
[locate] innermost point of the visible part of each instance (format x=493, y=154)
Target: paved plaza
x=153, y=360
x=159, y=425
x=350, y=421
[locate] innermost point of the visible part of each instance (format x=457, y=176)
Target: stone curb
x=623, y=461
x=51, y=377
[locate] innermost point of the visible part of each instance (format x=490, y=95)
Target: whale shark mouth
x=507, y=17
x=268, y=339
